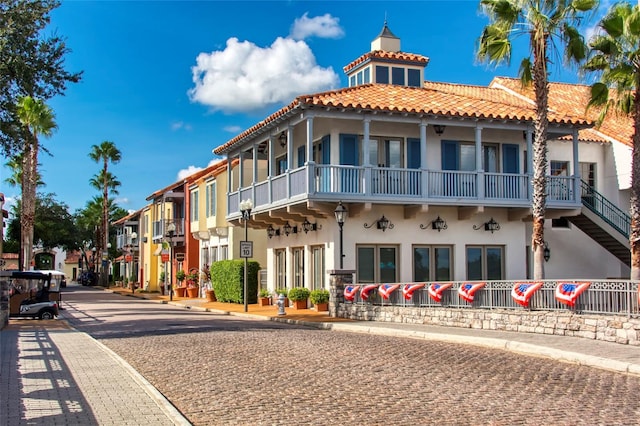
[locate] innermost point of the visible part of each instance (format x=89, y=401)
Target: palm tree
x=15, y=165
x=549, y=25
x=37, y=119
x=105, y=152
x=98, y=182
x=614, y=56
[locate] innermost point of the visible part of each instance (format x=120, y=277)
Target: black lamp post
x=341, y=215
x=245, y=208
x=171, y=232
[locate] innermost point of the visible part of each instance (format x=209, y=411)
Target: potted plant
x=180, y=290
x=276, y=296
x=192, y=284
x=299, y=296
x=264, y=297
x=320, y=298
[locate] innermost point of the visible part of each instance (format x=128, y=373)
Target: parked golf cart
x=31, y=294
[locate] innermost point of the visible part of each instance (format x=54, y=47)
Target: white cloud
x=182, y=174
x=325, y=26
x=177, y=125
x=245, y=77
x=232, y=129
x=9, y=202
x=122, y=200
x=214, y=161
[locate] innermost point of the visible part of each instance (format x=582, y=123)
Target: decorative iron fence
x=600, y=297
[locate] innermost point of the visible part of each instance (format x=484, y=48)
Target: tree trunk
x=105, y=226
x=539, y=200
x=28, y=202
x=634, y=231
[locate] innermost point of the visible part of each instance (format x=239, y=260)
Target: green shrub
x=298, y=294
x=227, y=279
x=180, y=275
x=319, y=296
x=282, y=291
x=264, y=293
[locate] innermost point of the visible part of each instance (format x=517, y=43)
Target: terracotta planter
x=211, y=296
x=264, y=301
x=180, y=291
x=192, y=292
x=300, y=304
x=322, y=307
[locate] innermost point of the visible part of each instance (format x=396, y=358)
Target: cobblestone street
x=220, y=370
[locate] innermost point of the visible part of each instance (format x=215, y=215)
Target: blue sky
x=169, y=81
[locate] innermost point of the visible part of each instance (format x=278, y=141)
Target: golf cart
x=31, y=294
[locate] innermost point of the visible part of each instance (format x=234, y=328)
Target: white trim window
x=210, y=199
x=193, y=205
x=485, y=263
x=377, y=264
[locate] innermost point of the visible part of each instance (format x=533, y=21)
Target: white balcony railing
x=160, y=228
x=383, y=184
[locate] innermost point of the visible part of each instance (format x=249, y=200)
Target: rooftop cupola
x=386, y=64
x=386, y=41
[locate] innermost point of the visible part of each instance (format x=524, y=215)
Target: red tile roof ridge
x=384, y=54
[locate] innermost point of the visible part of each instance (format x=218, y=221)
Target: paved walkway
x=52, y=374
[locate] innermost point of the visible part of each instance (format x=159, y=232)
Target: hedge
x=227, y=278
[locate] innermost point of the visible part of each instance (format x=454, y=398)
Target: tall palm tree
x=615, y=57
x=105, y=152
x=98, y=182
x=549, y=26
x=15, y=165
x=38, y=119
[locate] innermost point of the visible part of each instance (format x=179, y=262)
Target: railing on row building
x=601, y=296
x=400, y=184
x=160, y=228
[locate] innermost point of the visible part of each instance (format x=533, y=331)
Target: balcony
x=323, y=182
x=160, y=228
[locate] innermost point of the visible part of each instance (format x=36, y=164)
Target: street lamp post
x=129, y=258
x=246, y=248
x=341, y=215
x=171, y=231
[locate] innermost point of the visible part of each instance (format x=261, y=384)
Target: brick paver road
x=221, y=370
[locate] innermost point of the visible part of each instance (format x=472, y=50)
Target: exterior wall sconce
x=288, y=229
x=546, y=252
x=308, y=226
x=439, y=129
x=382, y=223
x=439, y=224
x=283, y=139
x=492, y=226
x=271, y=232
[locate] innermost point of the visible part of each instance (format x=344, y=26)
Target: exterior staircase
x=605, y=223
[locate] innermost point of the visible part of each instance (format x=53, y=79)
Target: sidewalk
x=52, y=374
x=593, y=353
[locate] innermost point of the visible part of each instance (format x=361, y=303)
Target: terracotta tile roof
x=572, y=99
x=128, y=217
x=406, y=58
x=214, y=169
x=436, y=99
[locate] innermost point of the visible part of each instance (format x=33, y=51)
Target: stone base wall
x=618, y=329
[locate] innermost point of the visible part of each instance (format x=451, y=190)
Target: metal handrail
x=605, y=209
